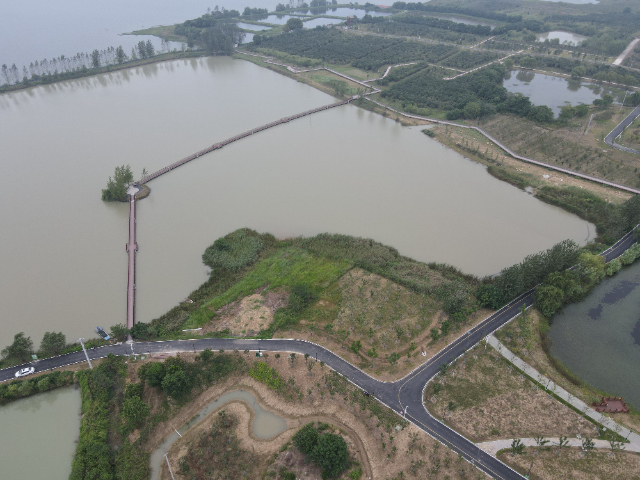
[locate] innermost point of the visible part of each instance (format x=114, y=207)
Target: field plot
x=467, y=59
x=549, y=464
x=484, y=399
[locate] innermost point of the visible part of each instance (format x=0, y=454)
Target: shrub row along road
x=404, y=395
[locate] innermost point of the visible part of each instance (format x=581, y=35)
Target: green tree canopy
x=472, y=110
x=177, y=384
x=53, y=343
x=153, y=373
x=293, y=24
x=117, y=186
x=331, y=454
x=306, y=438
x=20, y=350
x=548, y=299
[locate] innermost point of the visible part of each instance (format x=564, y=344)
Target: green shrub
x=234, y=251
x=262, y=372
x=613, y=267
x=153, y=373
x=176, y=384
x=134, y=413
x=133, y=390
x=548, y=299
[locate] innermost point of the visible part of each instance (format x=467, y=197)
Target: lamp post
x=86, y=354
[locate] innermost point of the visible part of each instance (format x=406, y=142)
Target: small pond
x=343, y=12
x=248, y=38
x=316, y=22
x=265, y=425
x=251, y=26
x=599, y=338
x=39, y=435
x=553, y=91
x=564, y=37
x=275, y=19
x=466, y=21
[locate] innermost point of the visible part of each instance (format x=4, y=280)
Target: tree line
x=63, y=67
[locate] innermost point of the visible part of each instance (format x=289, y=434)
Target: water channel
x=599, y=338
x=556, y=92
x=265, y=425
x=345, y=170
x=39, y=435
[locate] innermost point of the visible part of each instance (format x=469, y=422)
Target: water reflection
x=599, y=338
x=39, y=434
x=525, y=76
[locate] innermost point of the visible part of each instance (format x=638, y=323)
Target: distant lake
x=572, y=1
x=38, y=29
x=562, y=36
x=599, y=338
x=554, y=92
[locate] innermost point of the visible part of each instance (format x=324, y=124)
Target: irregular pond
x=265, y=425
x=599, y=338
x=276, y=19
x=466, y=21
x=38, y=435
x=316, y=22
x=251, y=26
x=554, y=91
x=564, y=37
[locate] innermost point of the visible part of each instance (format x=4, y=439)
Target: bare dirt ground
x=382, y=456
x=533, y=353
x=467, y=142
x=491, y=401
x=548, y=464
x=246, y=317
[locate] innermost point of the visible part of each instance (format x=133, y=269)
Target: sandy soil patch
x=246, y=317
x=548, y=464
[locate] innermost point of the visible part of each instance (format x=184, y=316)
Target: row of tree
x=22, y=348
x=65, y=66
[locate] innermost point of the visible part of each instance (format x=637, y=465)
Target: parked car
x=23, y=372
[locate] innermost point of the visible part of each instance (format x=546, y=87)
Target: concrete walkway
x=627, y=51
x=603, y=420
x=493, y=447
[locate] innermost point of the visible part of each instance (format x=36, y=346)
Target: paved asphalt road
x=406, y=393
x=611, y=138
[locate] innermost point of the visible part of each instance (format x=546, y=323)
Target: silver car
x=23, y=372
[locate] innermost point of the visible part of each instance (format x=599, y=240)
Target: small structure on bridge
x=611, y=405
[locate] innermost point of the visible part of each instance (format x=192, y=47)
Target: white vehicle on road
x=23, y=372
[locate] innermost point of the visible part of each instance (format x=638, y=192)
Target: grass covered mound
x=336, y=285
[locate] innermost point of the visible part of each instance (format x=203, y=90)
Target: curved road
x=406, y=393
x=611, y=138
